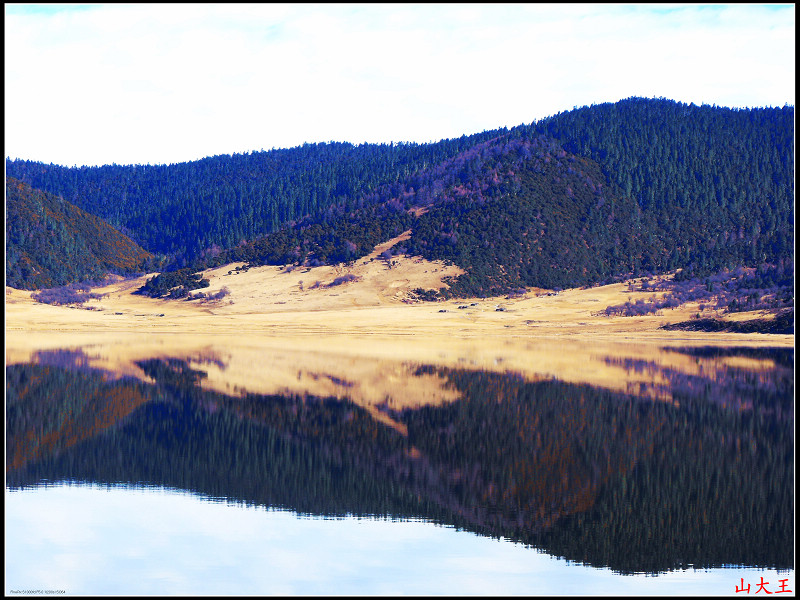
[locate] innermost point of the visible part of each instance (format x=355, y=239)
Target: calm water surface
x=158, y=479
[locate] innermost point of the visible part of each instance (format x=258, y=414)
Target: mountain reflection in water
x=694, y=468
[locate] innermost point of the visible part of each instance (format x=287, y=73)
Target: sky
x=169, y=83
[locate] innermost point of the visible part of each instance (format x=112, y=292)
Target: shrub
x=68, y=294
x=426, y=295
x=223, y=291
x=219, y=295
x=173, y=284
x=343, y=279
x=730, y=291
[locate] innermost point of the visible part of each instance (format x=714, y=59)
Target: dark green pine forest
x=50, y=242
x=587, y=196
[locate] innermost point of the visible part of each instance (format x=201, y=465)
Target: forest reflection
x=691, y=464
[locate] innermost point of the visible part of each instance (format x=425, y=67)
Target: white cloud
x=175, y=82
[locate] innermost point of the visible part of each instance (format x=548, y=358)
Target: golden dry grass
x=279, y=332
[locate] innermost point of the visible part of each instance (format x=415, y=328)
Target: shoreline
x=361, y=340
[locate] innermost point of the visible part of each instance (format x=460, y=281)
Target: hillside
x=372, y=296
x=188, y=208
x=715, y=185
x=508, y=213
x=589, y=196
x=50, y=242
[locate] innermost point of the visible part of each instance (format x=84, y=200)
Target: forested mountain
x=510, y=211
x=183, y=209
x=582, y=197
x=717, y=182
x=50, y=242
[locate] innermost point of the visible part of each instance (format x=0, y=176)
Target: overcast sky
x=166, y=83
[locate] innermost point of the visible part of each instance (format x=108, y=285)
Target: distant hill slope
x=510, y=212
x=521, y=211
x=187, y=208
x=50, y=242
x=585, y=196
x=715, y=183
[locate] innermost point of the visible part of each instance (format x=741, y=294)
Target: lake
x=143, y=466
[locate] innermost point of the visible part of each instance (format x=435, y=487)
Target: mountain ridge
x=612, y=190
